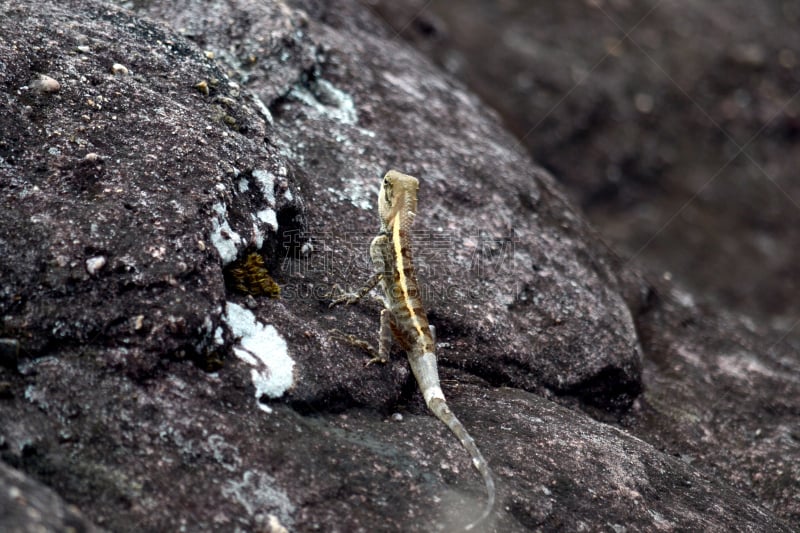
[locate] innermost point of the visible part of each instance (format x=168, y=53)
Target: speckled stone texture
x=127, y=196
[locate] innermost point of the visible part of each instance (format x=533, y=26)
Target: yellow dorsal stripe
x=398, y=255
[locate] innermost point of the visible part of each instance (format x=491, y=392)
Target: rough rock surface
x=642, y=118
x=152, y=394
x=673, y=124
x=29, y=506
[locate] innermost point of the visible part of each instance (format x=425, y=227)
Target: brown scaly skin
x=404, y=317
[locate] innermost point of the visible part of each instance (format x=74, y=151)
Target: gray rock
x=641, y=109
x=246, y=126
x=643, y=134
x=29, y=506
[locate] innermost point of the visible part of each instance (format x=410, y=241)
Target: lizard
x=404, y=318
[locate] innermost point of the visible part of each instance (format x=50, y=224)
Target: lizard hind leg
x=381, y=355
x=352, y=340
x=385, y=338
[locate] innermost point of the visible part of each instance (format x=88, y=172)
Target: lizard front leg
x=379, y=243
x=352, y=297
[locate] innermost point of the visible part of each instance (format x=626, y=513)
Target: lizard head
x=398, y=195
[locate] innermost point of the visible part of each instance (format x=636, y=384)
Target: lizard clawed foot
x=343, y=298
x=358, y=343
x=347, y=299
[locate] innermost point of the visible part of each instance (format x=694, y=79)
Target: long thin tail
x=427, y=375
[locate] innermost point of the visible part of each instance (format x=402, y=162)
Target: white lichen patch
x=266, y=183
x=259, y=495
x=225, y=454
x=360, y=195
x=258, y=235
x=329, y=101
x=268, y=217
x=224, y=239
x=36, y=396
x=261, y=347
x=262, y=108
